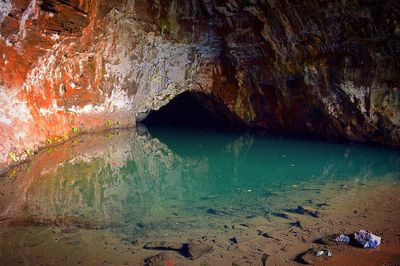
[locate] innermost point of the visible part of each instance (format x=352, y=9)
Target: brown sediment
x=357, y=208
x=32, y=232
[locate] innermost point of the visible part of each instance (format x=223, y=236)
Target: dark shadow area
x=190, y=143
x=193, y=110
x=196, y=114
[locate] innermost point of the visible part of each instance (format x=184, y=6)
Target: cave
x=195, y=110
x=271, y=132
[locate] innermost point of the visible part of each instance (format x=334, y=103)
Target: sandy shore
x=371, y=207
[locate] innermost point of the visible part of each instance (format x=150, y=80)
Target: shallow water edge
x=116, y=191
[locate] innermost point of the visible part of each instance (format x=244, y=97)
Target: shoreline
x=359, y=208
x=240, y=229
x=24, y=158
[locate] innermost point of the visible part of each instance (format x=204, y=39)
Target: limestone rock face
x=326, y=68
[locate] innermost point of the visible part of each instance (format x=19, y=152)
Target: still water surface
x=138, y=185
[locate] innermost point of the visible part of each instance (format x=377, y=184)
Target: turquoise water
x=143, y=183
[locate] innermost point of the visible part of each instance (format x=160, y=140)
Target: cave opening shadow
x=195, y=110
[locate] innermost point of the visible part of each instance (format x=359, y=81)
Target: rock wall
x=317, y=67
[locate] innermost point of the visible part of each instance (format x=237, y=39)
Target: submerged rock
x=281, y=215
x=297, y=224
x=308, y=211
x=213, y=211
x=233, y=240
x=240, y=227
x=164, y=245
x=195, y=249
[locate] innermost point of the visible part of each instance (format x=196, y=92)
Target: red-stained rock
x=308, y=67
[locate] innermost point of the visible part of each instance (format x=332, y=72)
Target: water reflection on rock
x=131, y=181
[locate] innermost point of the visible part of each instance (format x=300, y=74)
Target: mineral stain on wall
x=325, y=68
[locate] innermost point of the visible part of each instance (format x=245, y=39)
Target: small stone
x=240, y=227
x=266, y=235
x=281, y=215
x=297, y=224
x=164, y=245
x=327, y=240
x=307, y=257
x=212, y=211
x=195, y=249
x=215, y=212
x=233, y=240
x=309, y=211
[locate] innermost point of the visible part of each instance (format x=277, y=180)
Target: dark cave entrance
x=195, y=110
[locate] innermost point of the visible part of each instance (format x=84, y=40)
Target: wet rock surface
x=195, y=249
x=163, y=245
x=309, y=67
x=307, y=210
